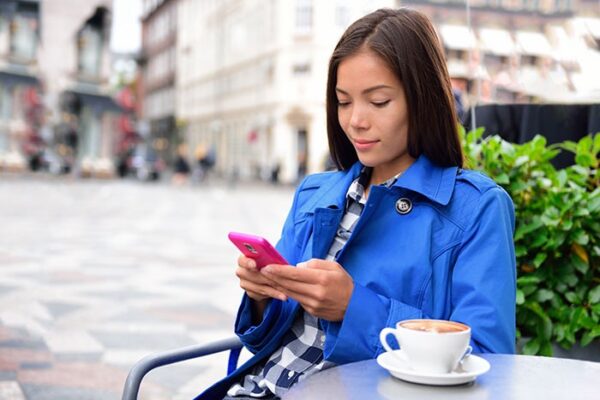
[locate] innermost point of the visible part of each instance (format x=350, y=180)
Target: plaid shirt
x=301, y=351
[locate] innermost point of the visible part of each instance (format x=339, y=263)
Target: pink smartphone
x=258, y=248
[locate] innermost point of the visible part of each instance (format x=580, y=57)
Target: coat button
x=403, y=206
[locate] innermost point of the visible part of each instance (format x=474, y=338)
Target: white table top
x=511, y=377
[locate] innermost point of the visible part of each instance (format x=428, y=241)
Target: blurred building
x=520, y=51
x=20, y=102
x=247, y=77
x=251, y=74
x=75, y=67
x=251, y=80
x=54, y=76
x=158, y=72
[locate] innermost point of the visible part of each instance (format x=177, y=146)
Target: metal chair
x=148, y=363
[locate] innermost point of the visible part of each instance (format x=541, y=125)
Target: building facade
x=251, y=75
x=519, y=50
x=251, y=81
x=20, y=89
x=157, y=73
x=56, y=97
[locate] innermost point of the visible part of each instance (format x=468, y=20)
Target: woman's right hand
x=256, y=285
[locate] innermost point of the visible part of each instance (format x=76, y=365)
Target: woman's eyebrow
x=371, y=89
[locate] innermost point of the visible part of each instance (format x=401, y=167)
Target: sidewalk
x=96, y=274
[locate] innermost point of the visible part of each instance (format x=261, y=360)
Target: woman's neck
x=379, y=177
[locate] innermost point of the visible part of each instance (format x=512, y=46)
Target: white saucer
x=472, y=367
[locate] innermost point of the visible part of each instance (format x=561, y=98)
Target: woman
x=401, y=231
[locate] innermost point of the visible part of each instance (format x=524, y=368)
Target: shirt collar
x=356, y=191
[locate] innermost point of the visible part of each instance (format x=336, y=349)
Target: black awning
x=14, y=79
x=98, y=102
x=519, y=123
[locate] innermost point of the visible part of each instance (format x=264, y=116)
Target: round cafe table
x=511, y=377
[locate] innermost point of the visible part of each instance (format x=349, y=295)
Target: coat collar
x=432, y=181
x=332, y=192
x=424, y=177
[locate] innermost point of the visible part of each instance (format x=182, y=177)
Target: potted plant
x=557, y=236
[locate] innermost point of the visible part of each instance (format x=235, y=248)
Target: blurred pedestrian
x=199, y=168
x=181, y=166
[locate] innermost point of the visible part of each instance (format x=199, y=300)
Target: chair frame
x=152, y=361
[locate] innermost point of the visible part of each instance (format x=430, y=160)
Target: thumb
x=316, y=263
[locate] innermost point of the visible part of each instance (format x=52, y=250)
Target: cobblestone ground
x=96, y=274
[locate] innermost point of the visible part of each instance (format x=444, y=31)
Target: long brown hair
x=406, y=40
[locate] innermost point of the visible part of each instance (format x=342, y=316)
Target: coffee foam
x=435, y=326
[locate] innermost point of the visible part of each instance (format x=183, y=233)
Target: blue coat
x=451, y=257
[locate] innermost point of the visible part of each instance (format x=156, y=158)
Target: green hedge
x=557, y=237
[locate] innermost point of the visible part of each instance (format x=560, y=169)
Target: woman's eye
x=380, y=103
x=343, y=103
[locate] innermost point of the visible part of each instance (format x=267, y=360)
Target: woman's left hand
x=323, y=288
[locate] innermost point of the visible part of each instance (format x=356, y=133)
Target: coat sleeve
x=484, y=281
x=256, y=337
x=483, y=291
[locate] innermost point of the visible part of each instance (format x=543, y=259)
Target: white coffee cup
x=429, y=345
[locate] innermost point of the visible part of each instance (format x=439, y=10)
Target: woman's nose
x=358, y=119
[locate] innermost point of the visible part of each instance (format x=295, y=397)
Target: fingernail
x=267, y=269
x=303, y=264
x=251, y=264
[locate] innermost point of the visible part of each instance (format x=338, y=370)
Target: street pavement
x=96, y=274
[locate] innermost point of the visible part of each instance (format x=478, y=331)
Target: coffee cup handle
x=383, y=338
x=467, y=354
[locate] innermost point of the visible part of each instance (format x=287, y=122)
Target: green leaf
x=596, y=147
x=594, y=203
x=562, y=178
x=579, y=264
x=539, y=259
x=570, y=279
x=587, y=338
x=520, y=251
x=560, y=287
x=520, y=297
x=531, y=347
x=594, y=295
x=527, y=290
x=559, y=332
x=573, y=298
x=581, y=212
x=521, y=160
x=551, y=217
x=569, y=146
x=580, y=237
x=528, y=227
x=576, y=314
x=540, y=240
x=528, y=280
x=544, y=295
x=585, y=160
x=545, y=348
x=502, y=179
x=586, y=321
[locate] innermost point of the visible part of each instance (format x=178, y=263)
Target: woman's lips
x=363, y=145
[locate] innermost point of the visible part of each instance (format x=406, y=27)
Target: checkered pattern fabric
x=301, y=351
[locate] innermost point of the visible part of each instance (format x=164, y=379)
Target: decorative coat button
x=403, y=206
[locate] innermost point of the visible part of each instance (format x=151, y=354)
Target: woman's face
x=373, y=113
